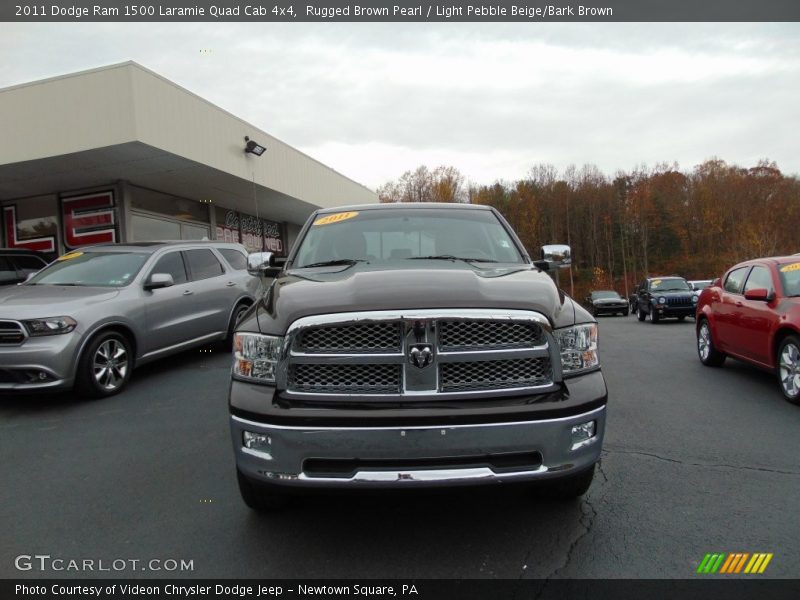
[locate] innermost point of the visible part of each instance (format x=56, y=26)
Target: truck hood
x=299, y=294
x=33, y=301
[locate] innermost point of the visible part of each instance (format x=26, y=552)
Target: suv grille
x=679, y=301
x=494, y=374
x=11, y=333
x=475, y=335
x=419, y=355
x=345, y=379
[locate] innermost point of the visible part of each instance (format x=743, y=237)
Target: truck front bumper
x=417, y=456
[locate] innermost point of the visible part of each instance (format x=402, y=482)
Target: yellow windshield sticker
x=70, y=255
x=336, y=218
x=792, y=267
x=656, y=281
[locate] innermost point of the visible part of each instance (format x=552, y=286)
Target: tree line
x=650, y=221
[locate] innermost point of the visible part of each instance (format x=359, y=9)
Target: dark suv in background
x=17, y=264
x=665, y=297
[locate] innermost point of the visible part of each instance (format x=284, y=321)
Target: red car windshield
x=790, y=278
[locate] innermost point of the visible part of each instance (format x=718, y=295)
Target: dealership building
x=121, y=154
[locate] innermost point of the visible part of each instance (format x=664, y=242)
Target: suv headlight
x=662, y=300
x=255, y=356
x=50, y=326
x=578, y=346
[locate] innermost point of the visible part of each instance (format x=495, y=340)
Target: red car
x=753, y=313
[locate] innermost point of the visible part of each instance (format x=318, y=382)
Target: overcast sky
x=375, y=100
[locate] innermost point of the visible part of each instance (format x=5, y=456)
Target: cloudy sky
x=375, y=100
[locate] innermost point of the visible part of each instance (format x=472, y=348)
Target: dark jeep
x=413, y=345
x=665, y=297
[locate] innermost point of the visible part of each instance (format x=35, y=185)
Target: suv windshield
x=669, y=285
x=601, y=295
x=396, y=235
x=101, y=269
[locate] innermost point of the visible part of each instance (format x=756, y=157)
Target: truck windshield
x=95, y=269
x=396, y=235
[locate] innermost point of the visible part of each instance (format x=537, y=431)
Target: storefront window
x=171, y=206
x=254, y=233
x=148, y=229
x=31, y=223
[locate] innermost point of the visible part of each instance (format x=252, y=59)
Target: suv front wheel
x=105, y=365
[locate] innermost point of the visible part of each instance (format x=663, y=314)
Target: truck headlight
x=578, y=346
x=50, y=326
x=255, y=356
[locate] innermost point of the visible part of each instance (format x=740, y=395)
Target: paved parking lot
x=696, y=460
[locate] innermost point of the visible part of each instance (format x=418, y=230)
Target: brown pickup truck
x=413, y=345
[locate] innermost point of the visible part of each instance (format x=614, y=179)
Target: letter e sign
x=89, y=219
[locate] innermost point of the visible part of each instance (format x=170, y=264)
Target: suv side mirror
x=159, y=280
x=262, y=263
x=557, y=256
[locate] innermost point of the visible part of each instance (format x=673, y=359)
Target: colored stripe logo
x=734, y=563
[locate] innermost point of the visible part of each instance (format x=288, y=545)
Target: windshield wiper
x=451, y=257
x=334, y=263
x=675, y=290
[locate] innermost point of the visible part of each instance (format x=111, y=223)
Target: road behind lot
x=696, y=460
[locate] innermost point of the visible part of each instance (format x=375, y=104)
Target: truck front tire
x=260, y=498
x=571, y=486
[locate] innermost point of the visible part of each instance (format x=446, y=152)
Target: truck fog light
x=257, y=442
x=583, y=432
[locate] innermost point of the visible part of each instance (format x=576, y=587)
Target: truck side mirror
x=557, y=256
x=262, y=264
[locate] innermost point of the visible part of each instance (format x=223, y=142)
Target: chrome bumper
x=290, y=447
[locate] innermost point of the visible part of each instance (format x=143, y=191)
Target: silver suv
x=92, y=315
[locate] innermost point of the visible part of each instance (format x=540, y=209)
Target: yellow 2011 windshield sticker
x=70, y=255
x=791, y=267
x=336, y=218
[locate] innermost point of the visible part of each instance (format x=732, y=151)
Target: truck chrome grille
x=494, y=374
x=481, y=335
x=11, y=333
x=351, y=338
x=418, y=355
x=345, y=379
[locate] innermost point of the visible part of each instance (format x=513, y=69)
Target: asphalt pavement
x=696, y=460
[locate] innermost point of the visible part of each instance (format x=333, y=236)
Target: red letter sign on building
x=89, y=219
